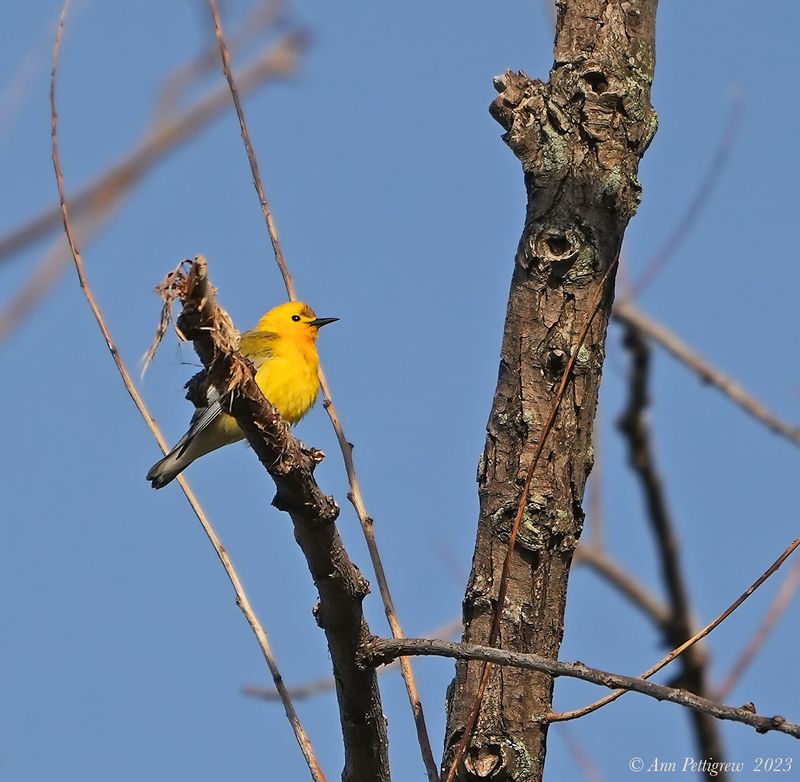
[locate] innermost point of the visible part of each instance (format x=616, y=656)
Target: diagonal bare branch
x=279, y=60
x=698, y=636
x=626, y=312
x=241, y=595
x=265, y=14
x=776, y=610
x=251, y=155
x=90, y=221
x=47, y=273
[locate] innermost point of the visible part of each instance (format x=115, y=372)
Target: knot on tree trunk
x=579, y=138
x=593, y=120
x=495, y=758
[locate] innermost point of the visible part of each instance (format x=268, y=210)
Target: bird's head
x=293, y=320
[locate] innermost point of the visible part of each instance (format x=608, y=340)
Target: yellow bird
x=283, y=350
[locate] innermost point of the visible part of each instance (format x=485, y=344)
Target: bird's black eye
x=296, y=318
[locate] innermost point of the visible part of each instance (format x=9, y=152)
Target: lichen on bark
x=579, y=137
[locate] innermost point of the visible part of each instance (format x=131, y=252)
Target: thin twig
x=461, y=747
x=368, y=528
x=354, y=495
x=21, y=78
x=756, y=643
x=571, y=715
x=298, y=692
x=265, y=14
x=695, y=207
x=251, y=155
x=380, y=650
x=327, y=683
x=44, y=276
x=241, y=596
x=100, y=210
x=279, y=60
x=627, y=312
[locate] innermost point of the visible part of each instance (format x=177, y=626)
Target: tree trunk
x=579, y=138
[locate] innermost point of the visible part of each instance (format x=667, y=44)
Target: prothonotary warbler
x=283, y=349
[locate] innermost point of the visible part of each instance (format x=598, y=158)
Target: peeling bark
x=579, y=138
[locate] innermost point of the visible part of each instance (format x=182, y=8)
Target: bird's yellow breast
x=289, y=379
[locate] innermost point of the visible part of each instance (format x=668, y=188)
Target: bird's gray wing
x=203, y=417
x=255, y=345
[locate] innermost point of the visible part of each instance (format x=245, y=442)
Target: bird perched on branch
x=283, y=350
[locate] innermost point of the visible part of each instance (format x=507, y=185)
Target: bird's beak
x=319, y=322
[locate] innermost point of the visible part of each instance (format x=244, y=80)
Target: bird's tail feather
x=192, y=446
x=171, y=466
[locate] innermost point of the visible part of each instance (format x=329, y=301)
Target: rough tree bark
x=579, y=138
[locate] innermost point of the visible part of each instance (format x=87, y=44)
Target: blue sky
x=399, y=208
